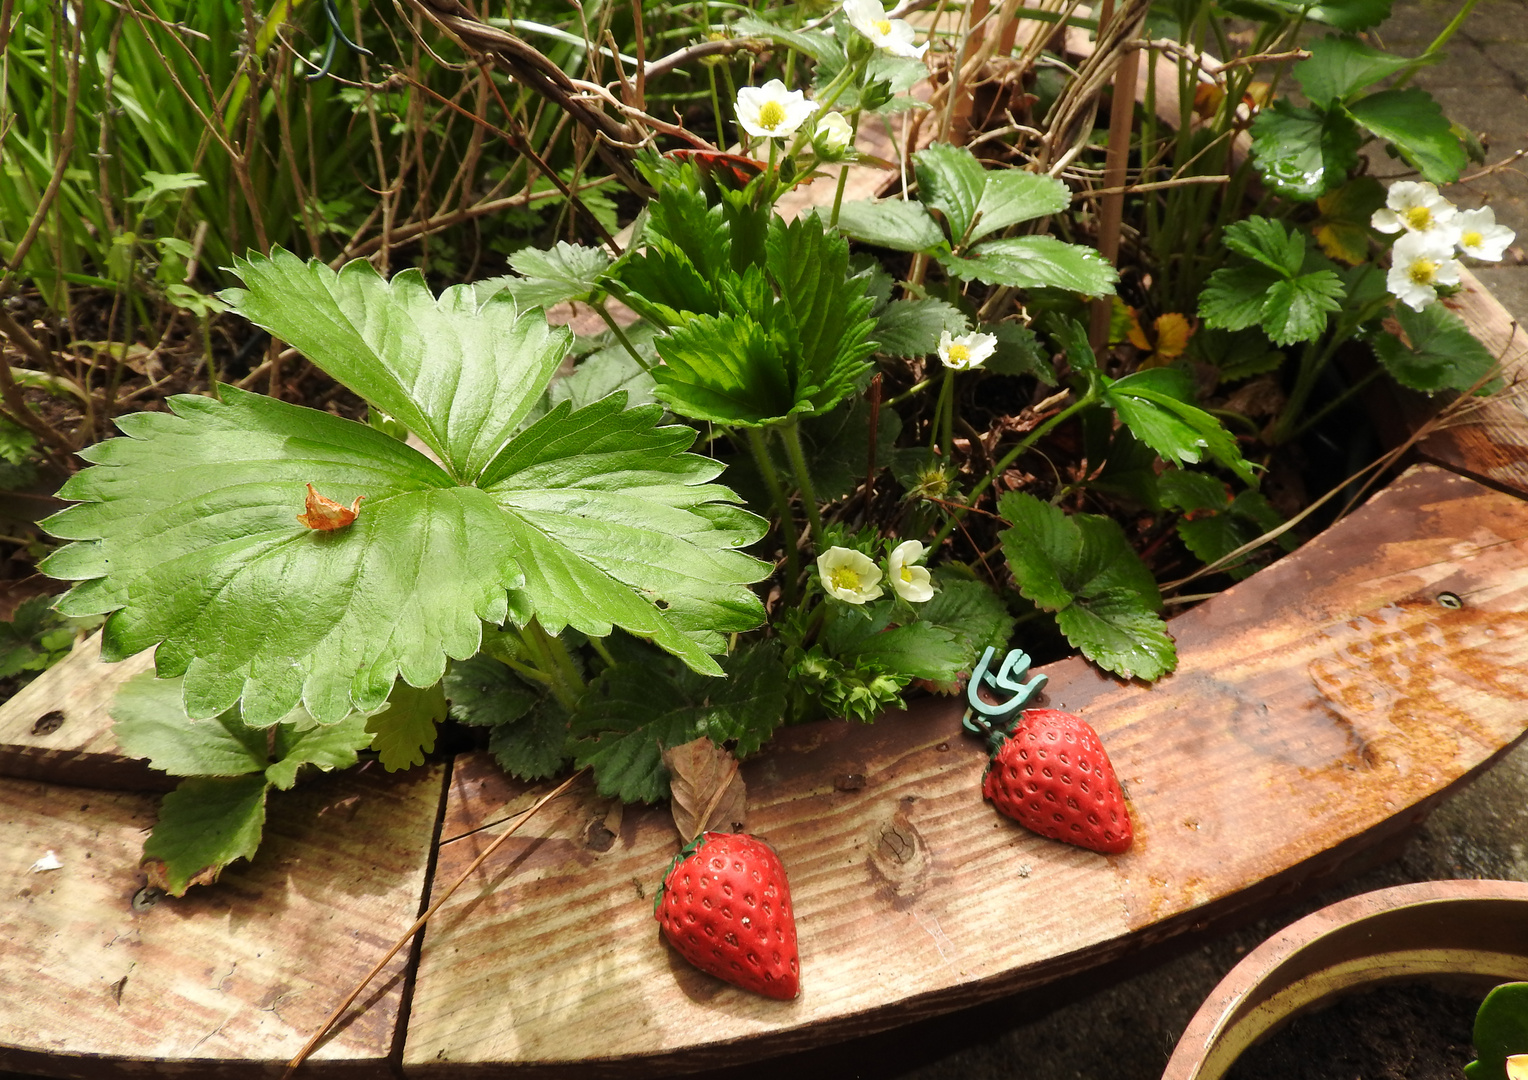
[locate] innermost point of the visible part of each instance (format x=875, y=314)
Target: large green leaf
x=1036, y=262
x=189, y=538
x=1082, y=567
x=458, y=376
x=618, y=526
x=901, y=225
x=1412, y=120
x=205, y=824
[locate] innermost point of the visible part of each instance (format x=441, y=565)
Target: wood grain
x=230, y=980
x=1327, y=698
x=57, y=727
x=1494, y=446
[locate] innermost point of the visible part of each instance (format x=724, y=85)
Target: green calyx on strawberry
x=1052, y=776
x=725, y=907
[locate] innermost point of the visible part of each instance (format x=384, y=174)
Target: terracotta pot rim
x=1407, y=931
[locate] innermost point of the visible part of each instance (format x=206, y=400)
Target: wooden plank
x=1325, y=699
x=57, y=727
x=1494, y=446
x=232, y=979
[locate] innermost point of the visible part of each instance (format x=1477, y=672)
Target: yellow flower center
x=1419, y=218
x=959, y=354
x=907, y=573
x=771, y=115
x=882, y=26
x=1472, y=239
x=846, y=578
x=1421, y=272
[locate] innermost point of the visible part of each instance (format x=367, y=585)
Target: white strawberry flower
x=771, y=111
x=893, y=35
x=849, y=575
x=1480, y=237
x=966, y=351
x=1517, y=1067
x=1419, y=263
x=833, y=135
x=1416, y=208
x=911, y=582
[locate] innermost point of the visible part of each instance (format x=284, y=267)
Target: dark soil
x=1407, y=1031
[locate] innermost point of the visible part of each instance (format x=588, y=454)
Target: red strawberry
x=1053, y=776
x=726, y=907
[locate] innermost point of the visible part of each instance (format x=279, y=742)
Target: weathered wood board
x=57, y=727
x=1325, y=698
x=1494, y=446
x=229, y=981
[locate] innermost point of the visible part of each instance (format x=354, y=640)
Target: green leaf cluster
x=216, y=815
x=1303, y=153
x=36, y=637
x=634, y=709
x=1214, y=523
x=765, y=320
x=1277, y=285
x=1081, y=568
x=593, y=518
x=972, y=204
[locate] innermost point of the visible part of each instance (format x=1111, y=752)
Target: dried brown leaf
x=707, y=790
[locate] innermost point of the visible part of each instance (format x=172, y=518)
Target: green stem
x=551, y=658
x=1336, y=402
x=766, y=468
x=945, y=386
x=1095, y=392
x=909, y=392
x=620, y=336
x=790, y=432
x=1405, y=74
x=598, y=645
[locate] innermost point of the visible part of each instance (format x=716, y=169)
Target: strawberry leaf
x=327, y=746
x=149, y=722
x=404, y=732
x=1035, y=262
x=892, y=223
x=190, y=539
x=950, y=180
x=530, y=733
x=974, y=613
x=1153, y=405
x=634, y=710
x=563, y=272
x=204, y=824
x=458, y=375
x=1082, y=568
x=910, y=328
x=1437, y=353
x=189, y=535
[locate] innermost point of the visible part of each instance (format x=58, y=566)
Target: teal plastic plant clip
x=1007, y=679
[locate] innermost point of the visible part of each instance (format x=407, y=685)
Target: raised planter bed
x=1465, y=934
x=1321, y=707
